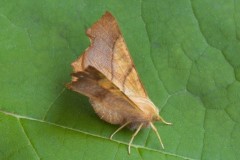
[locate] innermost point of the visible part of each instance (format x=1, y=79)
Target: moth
x=106, y=74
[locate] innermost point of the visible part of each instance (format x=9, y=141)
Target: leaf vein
x=91, y=134
x=50, y=106
x=28, y=139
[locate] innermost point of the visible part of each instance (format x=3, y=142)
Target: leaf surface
x=186, y=53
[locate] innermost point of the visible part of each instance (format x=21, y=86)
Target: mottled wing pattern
x=109, y=54
x=108, y=101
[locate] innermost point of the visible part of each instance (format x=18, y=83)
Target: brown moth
x=106, y=74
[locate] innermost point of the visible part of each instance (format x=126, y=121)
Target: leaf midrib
x=19, y=117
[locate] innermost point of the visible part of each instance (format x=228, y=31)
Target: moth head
x=147, y=107
x=156, y=117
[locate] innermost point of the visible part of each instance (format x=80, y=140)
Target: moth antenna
x=162, y=120
x=156, y=131
x=135, y=133
x=121, y=127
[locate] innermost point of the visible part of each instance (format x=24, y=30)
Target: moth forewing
x=105, y=73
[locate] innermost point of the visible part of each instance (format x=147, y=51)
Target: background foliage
x=186, y=52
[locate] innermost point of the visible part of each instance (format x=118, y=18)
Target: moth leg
x=155, y=130
x=136, y=132
x=121, y=127
x=165, y=122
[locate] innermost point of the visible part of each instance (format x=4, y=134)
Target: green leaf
x=186, y=53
